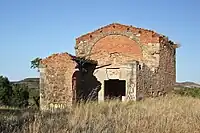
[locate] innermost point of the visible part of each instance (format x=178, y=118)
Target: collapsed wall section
x=56, y=81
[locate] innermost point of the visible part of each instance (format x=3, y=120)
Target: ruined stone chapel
x=121, y=61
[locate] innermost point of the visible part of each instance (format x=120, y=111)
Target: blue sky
x=38, y=28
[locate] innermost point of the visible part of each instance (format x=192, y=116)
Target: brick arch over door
x=122, y=47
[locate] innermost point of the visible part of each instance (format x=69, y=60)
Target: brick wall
x=126, y=42
x=115, y=48
x=146, y=36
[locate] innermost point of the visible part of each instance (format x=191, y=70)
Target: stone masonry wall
x=147, y=82
x=158, y=80
x=56, y=81
x=148, y=79
x=167, y=69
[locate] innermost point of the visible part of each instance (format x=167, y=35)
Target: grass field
x=172, y=114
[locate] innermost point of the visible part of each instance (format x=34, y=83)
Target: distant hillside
x=187, y=85
x=32, y=83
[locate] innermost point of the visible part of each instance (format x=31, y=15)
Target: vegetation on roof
x=35, y=63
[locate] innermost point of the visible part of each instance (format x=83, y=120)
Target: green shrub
x=20, y=96
x=13, y=95
x=5, y=91
x=193, y=92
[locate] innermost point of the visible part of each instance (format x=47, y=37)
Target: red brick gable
x=145, y=34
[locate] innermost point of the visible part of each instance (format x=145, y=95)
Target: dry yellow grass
x=171, y=114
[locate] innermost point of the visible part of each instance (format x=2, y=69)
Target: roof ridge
x=116, y=23
x=56, y=54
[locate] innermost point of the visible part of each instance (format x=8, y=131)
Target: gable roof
x=67, y=56
x=53, y=57
x=122, y=27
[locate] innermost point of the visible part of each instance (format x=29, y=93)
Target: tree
x=5, y=91
x=13, y=94
x=35, y=63
x=37, y=101
x=20, y=95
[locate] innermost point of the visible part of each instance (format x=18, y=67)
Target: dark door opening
x=114, y=89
